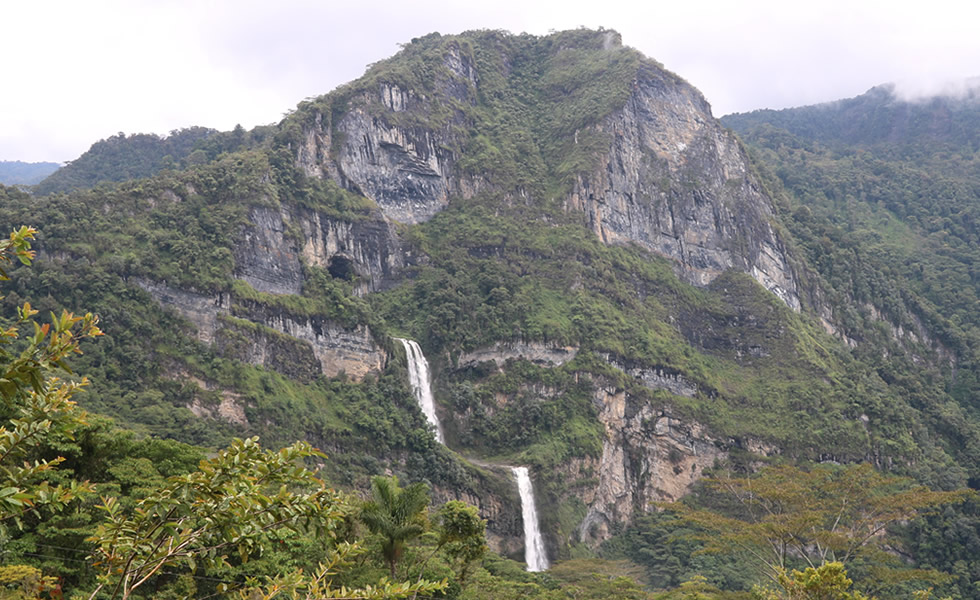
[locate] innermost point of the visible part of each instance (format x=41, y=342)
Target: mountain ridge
x=490, y=195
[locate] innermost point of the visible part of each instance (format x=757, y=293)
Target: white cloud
x=75, y=72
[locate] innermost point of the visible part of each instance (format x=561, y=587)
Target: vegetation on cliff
x=893, y=385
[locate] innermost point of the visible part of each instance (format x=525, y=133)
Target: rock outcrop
x=391, y=148
x=656, y=378
x=647, y=456
x=676, y=182
x=335, y=349
x=549, y=355
x=279, y=240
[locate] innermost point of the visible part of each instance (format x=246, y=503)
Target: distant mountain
x=880, y=115
x=15, y=172
x=881, y=195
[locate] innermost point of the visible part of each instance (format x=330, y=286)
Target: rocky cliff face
x=672, y=179
x=676, y=182
x=647, y=456
x=388, y=147
x=273, y=249
x=329, y=346
x=535, y=352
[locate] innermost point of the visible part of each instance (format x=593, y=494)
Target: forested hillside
x=608, y=289
x=881, y=195
x=123, y=157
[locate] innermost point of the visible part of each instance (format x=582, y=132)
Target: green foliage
x=123, y=157
x=227, y=506
x=22, y=582
x=784, y=515
x=829, y=581
x=670, y=550
x=948, y=539
x=462, y=535
x=396, y=515
x=36, y=401
x=880, y=196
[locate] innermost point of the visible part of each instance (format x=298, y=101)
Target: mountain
x=607, y=287
x=879, y=116
x=122, y=157
x=15, y=172
x=896, y=181
x=880, y=194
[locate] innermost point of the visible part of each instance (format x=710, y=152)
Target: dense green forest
x=881, y=196
x=882, y=237
x=123, y=157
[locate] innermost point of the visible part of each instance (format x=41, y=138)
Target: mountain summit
x=573, y=120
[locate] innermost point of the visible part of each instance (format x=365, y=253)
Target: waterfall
x=418, y=376
x=534, y=553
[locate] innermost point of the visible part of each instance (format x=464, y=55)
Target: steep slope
x=881, y=195
x=895, y=183
x=576, y=120
x=598, y=278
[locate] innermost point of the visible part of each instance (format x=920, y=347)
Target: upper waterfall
x=418, y=376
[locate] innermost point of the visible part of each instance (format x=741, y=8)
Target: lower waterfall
x=534, y=552
x=418, y=376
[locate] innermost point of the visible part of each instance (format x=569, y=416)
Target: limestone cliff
x=677, y=182
x=378, y=148
x=278, y=241
x=669, y=177
x=288, y=343
x=647, y=456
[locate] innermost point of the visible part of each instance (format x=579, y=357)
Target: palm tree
x=396, y=514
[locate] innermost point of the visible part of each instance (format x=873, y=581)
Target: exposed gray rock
x=647, y=456
x=536, y=352
x=676, y=182
x=337, y=349
x=408, y=170
x=656, y=378
x=230, y=409
x=264, y=259
x=200, y=309
x=271, y=254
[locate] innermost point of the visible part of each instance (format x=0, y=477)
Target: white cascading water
x=534, y=554
x=418, y=376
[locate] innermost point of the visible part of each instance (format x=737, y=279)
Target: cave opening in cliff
x=341, y=267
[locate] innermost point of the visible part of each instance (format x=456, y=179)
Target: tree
x=462, y=535
x=825, y=514
x=829, y=581
x=228, y=505
x=37, y=401
x=395, y=514
x=233, y=502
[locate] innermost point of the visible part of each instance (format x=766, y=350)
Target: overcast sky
x=78, y=71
